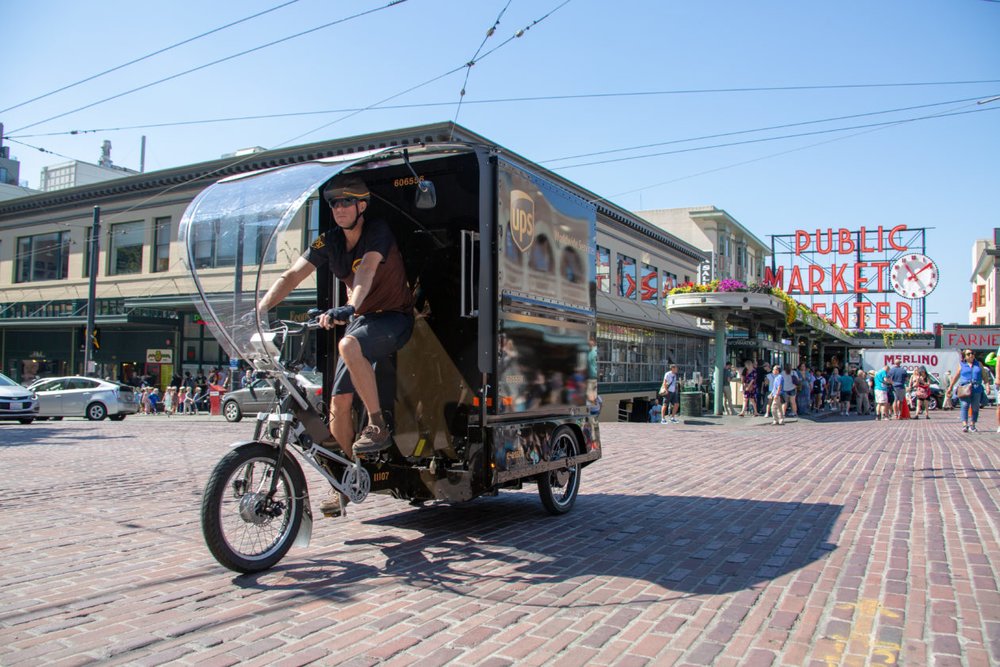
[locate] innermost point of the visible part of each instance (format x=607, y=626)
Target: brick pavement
x=727, y=542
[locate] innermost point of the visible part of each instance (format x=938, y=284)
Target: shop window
x=42, y=257
x=125, y=248
x=627, y=282
x=603, y=270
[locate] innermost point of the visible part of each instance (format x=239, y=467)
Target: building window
x=215, y=247
x=981, y=291
x=603, y=269
x=161, y=244
x=86, y=251
x=627, y=281
x=669, y=282
x=42, y=257
x=650, y=284
x=125, y=248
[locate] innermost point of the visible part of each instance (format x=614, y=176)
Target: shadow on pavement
x=684, y=544
x=17, y=435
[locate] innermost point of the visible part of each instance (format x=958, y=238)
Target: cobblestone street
x=719, y=541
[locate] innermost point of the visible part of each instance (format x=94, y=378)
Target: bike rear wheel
x=244, y=528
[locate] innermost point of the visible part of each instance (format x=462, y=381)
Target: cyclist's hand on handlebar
x=336, y=316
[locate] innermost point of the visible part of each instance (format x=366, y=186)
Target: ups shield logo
x=522, y=219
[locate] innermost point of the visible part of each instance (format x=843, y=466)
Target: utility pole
x=95, y=232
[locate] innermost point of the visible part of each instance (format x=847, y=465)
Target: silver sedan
x=78, y=396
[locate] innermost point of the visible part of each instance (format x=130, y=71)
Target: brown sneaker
x=373, y=439
x=334, y=505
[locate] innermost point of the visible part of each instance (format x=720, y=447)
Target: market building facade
x=146, y=323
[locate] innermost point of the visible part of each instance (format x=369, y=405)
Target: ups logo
x=522, y=219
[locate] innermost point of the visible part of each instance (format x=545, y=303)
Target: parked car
x=17, y=402
x=84, y=397
x=242, y=402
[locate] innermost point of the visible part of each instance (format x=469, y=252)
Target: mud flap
x=306, y=527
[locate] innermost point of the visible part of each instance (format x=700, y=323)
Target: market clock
x=914, y=276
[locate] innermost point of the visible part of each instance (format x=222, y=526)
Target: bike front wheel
x=247, y=528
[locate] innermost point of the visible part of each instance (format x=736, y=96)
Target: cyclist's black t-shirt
x=389, y=290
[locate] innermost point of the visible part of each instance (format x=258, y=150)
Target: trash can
x=215, y=399
x=691, y=403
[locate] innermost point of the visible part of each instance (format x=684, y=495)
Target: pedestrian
x=191, y=402
x=144, y=405
x=670, y=390
x=777, y=396
x=727, y=389
x=654, y=412
x=247, y=379
x=804, y=398
x=181, y=398
x=154, y=401
x=749, y=389
x=833, y=385
x=766, y=389
x=882, y=389
x=897, y=378
x=920, y=385
x=169, y=401
x=862, y=399
x=969, y=379
x=763, y=387
x=791, y=385
x=819, y=388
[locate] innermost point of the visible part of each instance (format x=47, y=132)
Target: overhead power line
x=472, y=61
x=783, y=126
x=499, y=100
x=797, y=149
x=392, y=3
x=150, y=55
x=783, y=136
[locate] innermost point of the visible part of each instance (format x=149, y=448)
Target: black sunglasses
x=342, y=202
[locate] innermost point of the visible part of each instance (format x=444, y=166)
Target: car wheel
x=117, y=418
x=26, y=421
x=932, y=403
x=231, y=411
x=96, y=412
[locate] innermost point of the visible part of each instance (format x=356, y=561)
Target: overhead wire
x=501, y=100
x=761, y=129
x=766, y=139
x=150, y=55
x=472, y=61
x=741, y=163
x=233, y=56
x=517, y=34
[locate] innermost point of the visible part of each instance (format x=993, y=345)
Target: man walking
x=671, y=396
x=776, y=396
x=897, y=378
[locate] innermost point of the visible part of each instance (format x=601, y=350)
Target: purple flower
x=730, y=285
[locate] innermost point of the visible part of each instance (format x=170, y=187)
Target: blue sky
x=939, y=173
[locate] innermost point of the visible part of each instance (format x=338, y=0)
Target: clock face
x=914, y=276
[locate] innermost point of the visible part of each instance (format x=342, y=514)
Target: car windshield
x=7, y=382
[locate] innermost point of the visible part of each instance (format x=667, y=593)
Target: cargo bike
x=493, y=390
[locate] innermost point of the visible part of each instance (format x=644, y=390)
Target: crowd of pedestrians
x=185, y=395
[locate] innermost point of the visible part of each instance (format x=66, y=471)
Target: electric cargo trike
x=495, y=387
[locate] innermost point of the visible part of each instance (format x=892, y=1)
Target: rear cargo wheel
x=558, y=488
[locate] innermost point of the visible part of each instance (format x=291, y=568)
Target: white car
x=84, y=397
x=16, y=402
